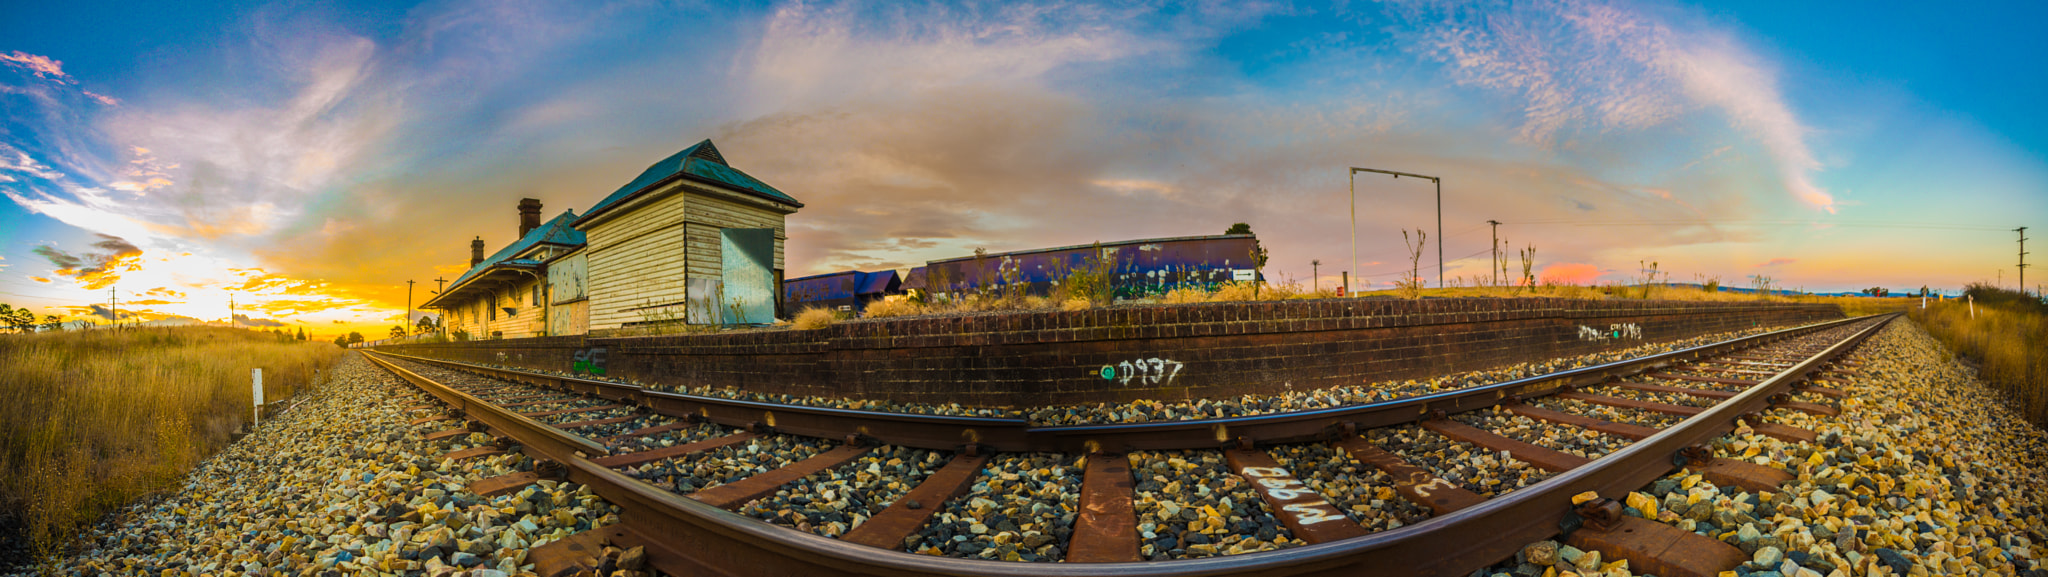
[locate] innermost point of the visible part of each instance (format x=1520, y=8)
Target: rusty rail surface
x=696, y=536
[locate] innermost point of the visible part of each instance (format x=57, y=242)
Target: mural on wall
x=1134, y=269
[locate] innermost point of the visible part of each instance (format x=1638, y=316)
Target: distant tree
x=355, y=338
x=341, y=341
x=302, y=333
x=22, y=319
x=397, y=331
x=427, y=325
x=1239, y=228
x=53, y=323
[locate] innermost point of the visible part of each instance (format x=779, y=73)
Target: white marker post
x=256, y=390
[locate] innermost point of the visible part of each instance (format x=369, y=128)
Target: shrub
x=1185, y=295
x=1076, y=305
x=883, y=309
x=815, y=318
x=1235, y=292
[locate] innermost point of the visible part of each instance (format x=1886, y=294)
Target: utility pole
x=408, y=306
x=1495, y=269
x=439, y=326
x=2023, y=258
x=1313, y=267
x=114, y=305
x=231, y=309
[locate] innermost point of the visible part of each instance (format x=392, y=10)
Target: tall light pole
x=1353, y=178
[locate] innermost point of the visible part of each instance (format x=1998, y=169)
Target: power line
x=1899, y=225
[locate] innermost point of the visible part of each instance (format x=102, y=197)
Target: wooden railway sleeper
x=1649, y=546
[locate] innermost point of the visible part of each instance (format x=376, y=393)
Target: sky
x=306, y=159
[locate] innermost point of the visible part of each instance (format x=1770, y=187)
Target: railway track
x=1441, y=484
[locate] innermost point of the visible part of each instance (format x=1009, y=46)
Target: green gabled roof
x=700, y=162
x=555, y=231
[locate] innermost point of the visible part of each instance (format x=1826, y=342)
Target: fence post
x=256, y=390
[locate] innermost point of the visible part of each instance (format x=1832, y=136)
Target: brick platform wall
x=1144, y=352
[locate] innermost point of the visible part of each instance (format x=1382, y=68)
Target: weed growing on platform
x=90, y=420
x=815, y=318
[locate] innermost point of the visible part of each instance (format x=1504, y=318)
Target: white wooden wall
x=638, y=260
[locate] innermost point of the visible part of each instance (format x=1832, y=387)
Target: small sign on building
x=1244, y=275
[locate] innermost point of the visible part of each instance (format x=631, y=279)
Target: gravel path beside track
x=340, y=484
x=1925, y=472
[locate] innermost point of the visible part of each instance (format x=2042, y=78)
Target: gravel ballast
x=341, y=484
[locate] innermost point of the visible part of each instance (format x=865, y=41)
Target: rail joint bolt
x=547, y=469
x=1601, y=514
x=1696, y=455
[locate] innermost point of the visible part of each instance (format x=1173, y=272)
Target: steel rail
x=551, y=442
x=715, y=541
x=950, y=433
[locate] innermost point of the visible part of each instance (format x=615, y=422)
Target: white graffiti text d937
x=1146, y=371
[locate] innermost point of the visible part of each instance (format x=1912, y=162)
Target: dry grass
x=2007, y=339
x=882, y=309
x=815, y=318
x=1291, y=290
x=1852, y=306
x=90, y=420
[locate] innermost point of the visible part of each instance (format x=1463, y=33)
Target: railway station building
x=691, y=240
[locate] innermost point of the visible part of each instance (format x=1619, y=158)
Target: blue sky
x=309, y=157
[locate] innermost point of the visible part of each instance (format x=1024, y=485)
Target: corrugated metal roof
x=557, y=230
x=875, y=283
x=701, y=161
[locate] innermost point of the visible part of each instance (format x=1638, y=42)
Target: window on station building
x=536, y=295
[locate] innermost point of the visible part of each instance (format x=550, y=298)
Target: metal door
x=748, y=273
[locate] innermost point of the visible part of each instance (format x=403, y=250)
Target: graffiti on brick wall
x=589, y=361
x=1151, y=371
x=1620, y=331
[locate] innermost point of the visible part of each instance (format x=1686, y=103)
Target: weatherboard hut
x=690, y=240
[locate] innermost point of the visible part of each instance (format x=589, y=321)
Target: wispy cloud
x=1610, y=67
x=1776, y=262
x=95, y=270
x=41, y=66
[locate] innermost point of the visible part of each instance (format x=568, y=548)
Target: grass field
x=2006, y=337
x=90, y=420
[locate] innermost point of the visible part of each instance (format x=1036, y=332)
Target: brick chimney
x=476, y=252
x=529, y=215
